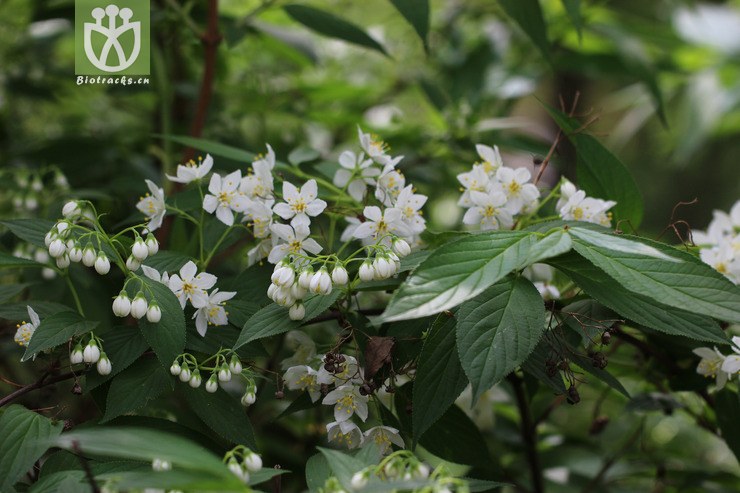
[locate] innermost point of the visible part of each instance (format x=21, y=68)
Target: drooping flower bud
x=71, y=209
x=132, y=263
x=252, y=462
x=153, y=313
x=195, y=379
x=175, y=369
x=212, y=384
x=139, y=249
x=235, y=366
x=75, y=253
x=102, y=264
x=91, y=353
x=320, y=282
x=76, y=356
x=89, y=256
x=401, y=247
x=57, y=248
x=224, y=374
x=104, y=366
x=339, y=275
x=152, y=244
x=139, y=306
x=122, y=305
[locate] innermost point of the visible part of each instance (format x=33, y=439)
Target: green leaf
x=176, y=479
x=57, y=330
x=61, y=481
x=144, y=444
x=167, y=261
x=10, y=291
x=317, y=472
x=536, y=366
x=528, y=15
x=303, y=154
x=635, y=307
x=342, y=465
x=462, y=269
x=134, y=387
x=439, y=376
x=727, y=410
x=24, y=437
x=166, y=337
x=416, y=12
x=573, y=9
x=9, y=261
x=660, y=273
x=123, y=345
x=221, y=413
x=273, y=319
x=599, y=171
x=31, y=230
x=498, y=330
x=19, y=311
x=330, y=25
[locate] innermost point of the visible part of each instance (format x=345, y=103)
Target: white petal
x=373, y=213
x=210, y=203
x=214, y=186
x=309, y=190
x=310, y=245
x=283, y=210
x=187, y=271
x=225, y=215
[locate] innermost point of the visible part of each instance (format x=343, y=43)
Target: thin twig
x=85, y=467
x=529, y=434
x=44, y=381
x=558, y=137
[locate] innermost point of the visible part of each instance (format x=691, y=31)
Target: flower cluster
x=348, y=395
x=714, y=364
x=91, y=354
x=188, y=370
x=720, y=243
x=28, y=191
x=574, y=205
x=495, y=194
x=242, y=461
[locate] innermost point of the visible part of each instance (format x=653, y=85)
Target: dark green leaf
x=635, y=307
x=536, y=366
x=342, y=465
x=660, y=273
x=600, y=173
x=123, y=345
x=57, y=330
x=134, y=387
x=497, y=331
x=416, y=12
x=9, y=261
x=19, y=311
x=273, y=319
x=214, y=148
x=528, y=15
x=24, y=437
x=330, y=25
x=573, y=8
x=728, y=410
x=10, y=291
x=221, y=413
x=166, y=337
x=31, y=230
x=166, y=261
x=61, y=481
x=439, y=376
x=317, y=472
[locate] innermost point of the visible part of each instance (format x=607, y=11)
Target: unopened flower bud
x=252, y=462
x=320, y=282
x=366, y=272
x=102, y=264
x=63, y=261
x=339, y=275
x=57, y=248
x=89, y=256
x=104, y=365
x=195, y=379
x=139, y=306
x=76, y=356
x=224, y=374
x=383, y=268
x=304, y=279
x=75, y=253
x=248, y=398
x=184, y=373
x=212, y=384
x=152, y=244
x=175, y=369
x=359, y=480
x=139, y=249
x=48, y=238
x=235, y=366
x=153, y=313
x=122, y=305
x=297, y=291
x=132, y=263
x=71, y=209
x=91, y=353
x=420, y=471
x=401, y=247
x=297, y=311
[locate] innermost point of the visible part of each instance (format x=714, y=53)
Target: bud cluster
x=91, y=354
x=242, y=461
x=138, y=308
x=188, y=370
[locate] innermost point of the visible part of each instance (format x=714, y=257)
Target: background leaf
x=222, y=413
x=166, y=337
x=528, y=16
x=56, y=330
x=416, y=12
x=134, y=387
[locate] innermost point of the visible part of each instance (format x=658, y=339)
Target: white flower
x=300, y=204
x=192, y=171
x=132, y=263
x=491, y=158
x=347, y=401
x=258, y=184
x=724, y=260
x=349, y=232
x=384, y=437
x=89, y=256
x=389, y=186
x=381, y=223
x=711, y=365
x=152, y=244
x=249, y=398
x=224, y=198
x=26, y=329
x=175, y=369
x=401, y=247
x=359, y=170
x=375, y=148
x=366, y=272
x=350, y=372
x=76, y=356
x=189, y=286
x=213, y=313
x=489, y=211
x=71, y=209
x=259, y=251
x=296, y=240
x=516, y=187
x=152, y=205
x=731, y=364
x=303, y=377
x=344, y=433
x=154, y=275
x=476, y=180
x=567, y=190
x=410, y=204
x=57, y=248
x=91, y=353
x=259, y=215
x=252, y=462
x=195, y=379
x=212, y=384
x=359, y=480
x=588, y=209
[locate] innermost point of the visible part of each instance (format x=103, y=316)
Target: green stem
x=74, y=294
x=215, y=247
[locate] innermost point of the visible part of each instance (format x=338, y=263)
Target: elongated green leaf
x=728, y=409
x=166, y=261
x=459, y=271
x=145, y=444
x=439, y=376
x=211, y=147
x=416, y=12
x=166, y=337
x=56, y=330
x=273, y=319
x=599, y=171
x=123, y=346
x=635, y=307
x=24, y=437
x=528, y=15
x=497, y=330
x=31, y=230
x=330, y=25
x=134, y=387
x=9, y=261
x=660, y=273
x=61, y=481
x=176, y=479
x=573, y=8
x=221, y=413
x=19, y=311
